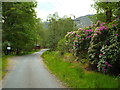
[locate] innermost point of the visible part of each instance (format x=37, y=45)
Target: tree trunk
x=108, y=14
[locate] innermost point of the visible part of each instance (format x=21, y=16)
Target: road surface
x=29, y=71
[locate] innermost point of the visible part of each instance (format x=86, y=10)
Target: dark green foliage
x=101, y=42
x=106, y=11
x=18, y=25
x=62, y=46
x=58, y=28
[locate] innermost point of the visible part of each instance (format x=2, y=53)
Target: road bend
x=29, y=71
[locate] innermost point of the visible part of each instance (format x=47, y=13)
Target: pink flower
x=78, y=35
x=104, y=69
x=95, y=34
x=106, y=63
x=98, y=21
x=113, y=25
x=101, y=54
x=102, y=24
x=102, y=27
x=83, y=39
x=94, y=24
x=99, y=29
x=116, y=34
x=75, y=40
x=106, y=27
x=90, y=30
x=88, y=36
x=69, y=32
x=80, y=29
x=74, y=45
x=109, y=65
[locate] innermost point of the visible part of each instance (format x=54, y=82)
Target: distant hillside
x=80, y=22
x=83, y=21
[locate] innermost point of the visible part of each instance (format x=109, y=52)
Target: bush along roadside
x=100, y=42
x=75, y=76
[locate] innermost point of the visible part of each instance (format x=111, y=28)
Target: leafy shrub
x=101, y=42
x=61, y=46
x=79, y=40
x=110, y=54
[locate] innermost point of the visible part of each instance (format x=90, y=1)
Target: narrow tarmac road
x=29, y=71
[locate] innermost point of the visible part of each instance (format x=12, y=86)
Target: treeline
x=54, y=29
x=19, y=24
x=106, y=11
x=22, y=30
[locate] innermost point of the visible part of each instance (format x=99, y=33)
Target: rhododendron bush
x=101, y=42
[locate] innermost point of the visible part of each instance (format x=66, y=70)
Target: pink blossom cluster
x=102, y=24
x=80, y=29
x=78, y=35
x=75, y=40
x=89, y=30
x=116, y=34
x=113, y=25
x=102, y=28
x=83, y=39
x=101, y=54
x=104, y=69
x=106, y=63
x=70, y=33
x=74, y=45
x=88, y=36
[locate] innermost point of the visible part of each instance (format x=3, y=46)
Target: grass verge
x=74, y=76
x=3, y=65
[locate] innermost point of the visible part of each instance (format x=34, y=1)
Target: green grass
x=0, y=68
x=3, y=65
x=74, y=76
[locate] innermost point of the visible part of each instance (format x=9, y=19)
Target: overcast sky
x=64, y=7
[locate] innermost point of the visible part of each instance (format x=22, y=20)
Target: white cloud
x=65, y=7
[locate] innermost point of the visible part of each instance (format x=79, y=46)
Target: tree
x=41, y=33
x=106, y=11
x=19, y=25
x=58, y=28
